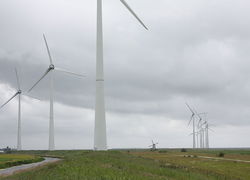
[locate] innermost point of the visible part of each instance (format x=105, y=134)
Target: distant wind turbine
x=202, y=129
x=50, y=71
x=100, y=136
x=192, y=119
x=18, y=93
x=207, y=129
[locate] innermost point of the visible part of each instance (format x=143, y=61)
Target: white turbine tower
x=200, y=130
x=18, y=93
x=207, y=128
x=100, y=136
x=203, y=125
x=50, y=70
x=192, y=118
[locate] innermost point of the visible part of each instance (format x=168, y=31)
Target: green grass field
x=8, y=160
x=194, y=161
x=139, y=165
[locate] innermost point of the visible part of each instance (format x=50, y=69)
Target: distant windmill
x=200, y=130
x=202, y=126
x=51, y=70
x=153, y=146
x=18, y=93
x=192, y=119
x=207, y=129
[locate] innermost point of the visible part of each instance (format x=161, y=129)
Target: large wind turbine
x=192, y=118
x=49, y=71
x=18, y=93
x=100, y=136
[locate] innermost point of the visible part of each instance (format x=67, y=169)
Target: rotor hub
x=52, y=66
x=19, y=91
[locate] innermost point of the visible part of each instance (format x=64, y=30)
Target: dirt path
x=215, y=158
x=224, y=159
x=24, y=167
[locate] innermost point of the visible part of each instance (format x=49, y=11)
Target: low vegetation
x=206, y=162
x=137, y=165
x=9, y=160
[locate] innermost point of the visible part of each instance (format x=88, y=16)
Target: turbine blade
x=47, y=47
x=36, y=98
x=190, y=119
x=9, y=99
x=200, y=121
x=134, y=14
x=197, y=114
x=47, y=71
x=190, y=108
x=17, y=78
x=69, y=72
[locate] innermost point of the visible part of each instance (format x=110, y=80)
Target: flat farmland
x=139, y=165
x=233, y=165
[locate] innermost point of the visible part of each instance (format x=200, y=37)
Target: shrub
x=183, y=150
x=221, y=154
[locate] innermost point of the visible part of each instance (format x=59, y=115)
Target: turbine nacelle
x=51, y=67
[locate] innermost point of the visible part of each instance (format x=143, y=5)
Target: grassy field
x=8, y=160
x=142, y=165
x=197, y=161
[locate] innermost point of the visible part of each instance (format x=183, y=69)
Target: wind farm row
x=201, y=128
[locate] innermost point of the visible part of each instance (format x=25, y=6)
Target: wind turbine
x=153, y=146
x=207, y=128
x=197, y=139
x=50, y=71
x=100, y=136
x=18, y=93
x=192, y=118
x=207, y=135
x=202, y=130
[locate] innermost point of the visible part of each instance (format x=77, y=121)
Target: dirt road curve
x=24, y=167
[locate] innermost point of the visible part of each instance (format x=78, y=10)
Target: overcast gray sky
x=196, y=51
